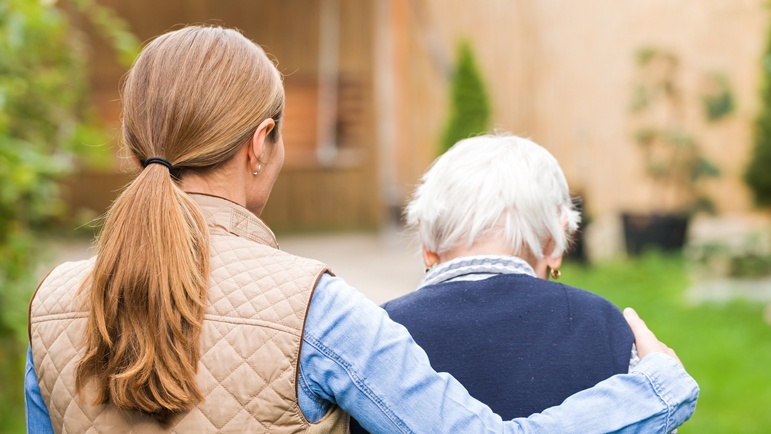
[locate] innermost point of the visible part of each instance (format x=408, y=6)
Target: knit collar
x=475, y=268
x=235, y=219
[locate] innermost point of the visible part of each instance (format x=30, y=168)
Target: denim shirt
x=354, y=356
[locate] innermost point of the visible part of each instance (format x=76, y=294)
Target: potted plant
x=672, y=157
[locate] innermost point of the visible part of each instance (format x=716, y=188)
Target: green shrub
x=46, y=127
x=758, y=175
x=469, y=105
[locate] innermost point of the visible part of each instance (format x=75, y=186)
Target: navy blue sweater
x=517, y=343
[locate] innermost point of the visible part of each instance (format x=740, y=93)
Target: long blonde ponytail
x=193, y=98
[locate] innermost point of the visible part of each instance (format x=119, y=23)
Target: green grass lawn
x=727, y=348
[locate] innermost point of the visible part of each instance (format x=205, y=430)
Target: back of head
x=193, y=97
x=494, y=186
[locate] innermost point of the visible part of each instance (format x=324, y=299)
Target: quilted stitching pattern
x=250, y=341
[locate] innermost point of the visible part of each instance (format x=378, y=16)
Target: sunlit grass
x=727, y=348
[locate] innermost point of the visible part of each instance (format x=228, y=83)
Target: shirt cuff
x=672, y=384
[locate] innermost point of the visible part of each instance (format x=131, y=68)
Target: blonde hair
x=194, y=97
x=499, y=186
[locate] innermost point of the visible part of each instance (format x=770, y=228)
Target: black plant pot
x=577, y=251
x=665, y=232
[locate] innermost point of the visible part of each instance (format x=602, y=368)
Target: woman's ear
x=257, y=144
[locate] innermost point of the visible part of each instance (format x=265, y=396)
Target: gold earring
x=555, y=273
x=259, y=169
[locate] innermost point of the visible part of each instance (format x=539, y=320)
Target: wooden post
x=390, y=81
x=329, y=78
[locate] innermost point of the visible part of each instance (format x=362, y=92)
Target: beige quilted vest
x=250, y=341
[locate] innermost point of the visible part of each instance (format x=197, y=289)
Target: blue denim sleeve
x=38, y=420
x=354, y=356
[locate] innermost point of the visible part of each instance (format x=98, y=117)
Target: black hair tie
x=156, y=160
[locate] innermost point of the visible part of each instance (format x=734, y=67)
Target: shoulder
x=339, y=311
x=58, y=289
x=260, y=281
x=590, y=310
x=69, y=269
x=584, y=299
x=230, y=251
x=496, y=287
x=65, y=278
x=420, y=298
x=332, y=293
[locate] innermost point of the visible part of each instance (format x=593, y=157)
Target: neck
x=495, y=246
x=489, y=246
x=213, y=186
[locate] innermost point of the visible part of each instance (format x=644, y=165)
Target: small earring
x=259, y=169
x=555, y=274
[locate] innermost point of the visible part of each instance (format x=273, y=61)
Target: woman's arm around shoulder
x=354, y=356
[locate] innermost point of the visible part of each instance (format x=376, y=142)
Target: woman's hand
x=644, y=339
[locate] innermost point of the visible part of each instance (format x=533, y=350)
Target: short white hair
x=495, y=185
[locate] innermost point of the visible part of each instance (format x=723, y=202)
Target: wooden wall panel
x=322, y=199
x=584, y=56
x=307, y=196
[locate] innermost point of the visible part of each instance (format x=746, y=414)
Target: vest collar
x=234, y=219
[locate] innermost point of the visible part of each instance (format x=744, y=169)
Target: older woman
x=494, y=217
x=191, y=319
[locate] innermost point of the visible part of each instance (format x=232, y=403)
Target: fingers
x=637, y=325
x=644, y=338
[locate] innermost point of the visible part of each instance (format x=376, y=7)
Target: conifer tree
x=469, y=105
